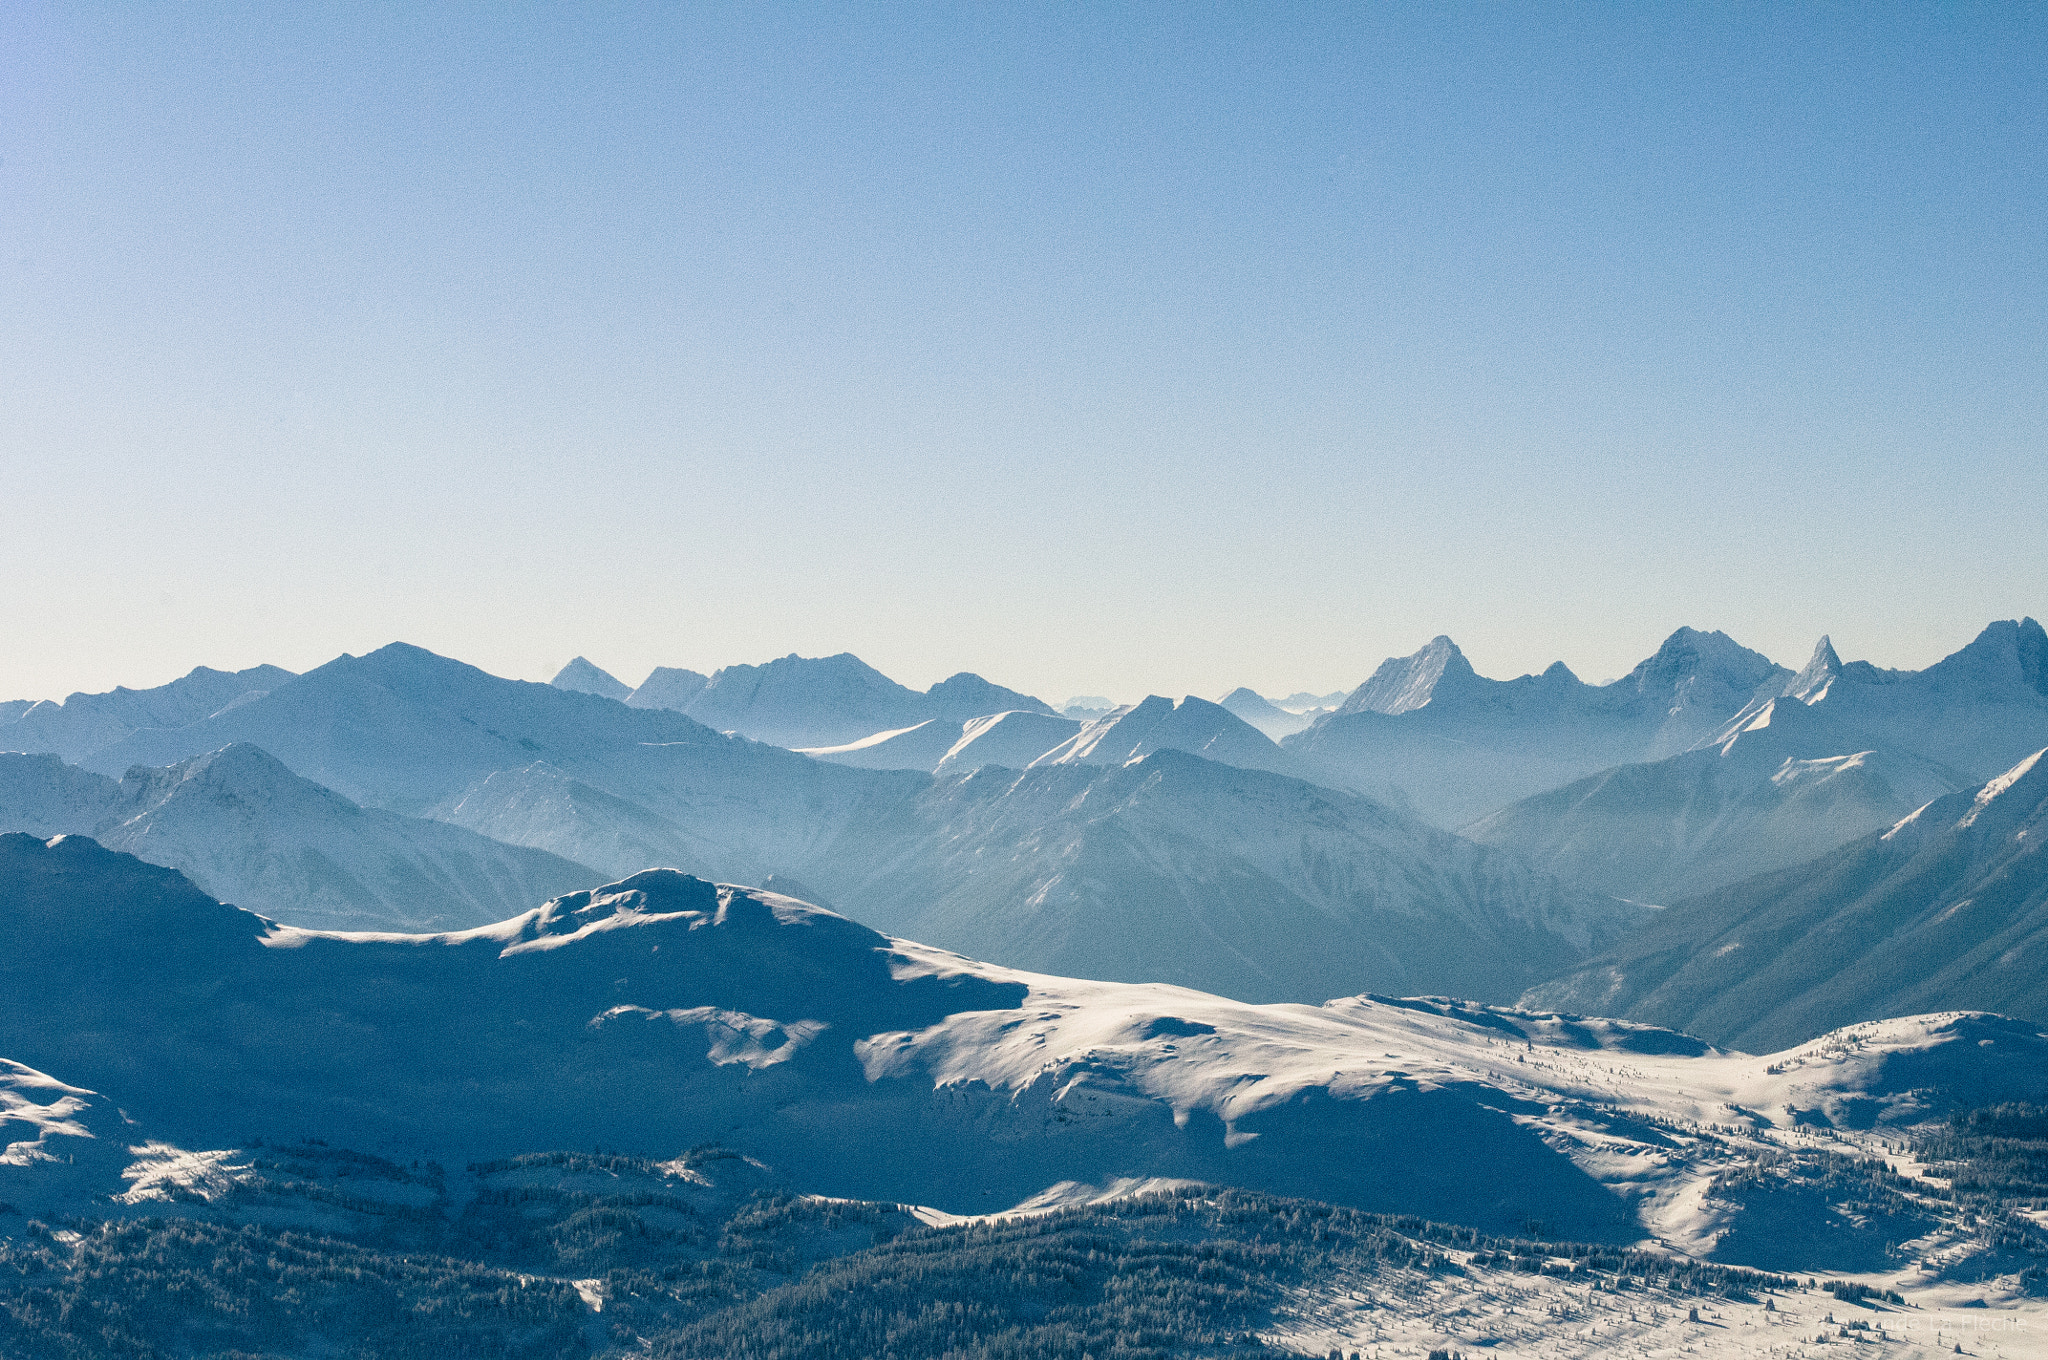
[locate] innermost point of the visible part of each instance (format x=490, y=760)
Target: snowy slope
x=1013, y=740
x=1158, y=724
x=1182, y=870
x=661, y=1013
x=584, y=678
x=1947, y=909
x=1789, y=785
x=85, y=723
x=248, y=831
x=918, y=747
x=1428, y=732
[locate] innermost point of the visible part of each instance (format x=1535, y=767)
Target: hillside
x=1178, y=869
x=1947, y=910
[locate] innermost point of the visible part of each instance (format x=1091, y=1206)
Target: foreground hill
x=663, y=1012
x=249, y=831
x=1179, y=869
x=1947, y=909
x=1429, y=732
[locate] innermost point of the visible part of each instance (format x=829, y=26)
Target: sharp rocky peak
x=1404, y=683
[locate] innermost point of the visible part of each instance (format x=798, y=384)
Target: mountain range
x=797, y=701
x=1117, y=855
x=84, y=723
x=1428, y=732
x=1827, y=755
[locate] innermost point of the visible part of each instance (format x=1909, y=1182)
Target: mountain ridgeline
x=1158, y=841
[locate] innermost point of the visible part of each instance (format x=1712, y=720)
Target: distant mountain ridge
x=1275, y=722
x=1810, y=762
x=799, y=701
x=1428, y=732
x=1979, y=709
x=85, y=723
x=1158, y=724
x=1788, y=787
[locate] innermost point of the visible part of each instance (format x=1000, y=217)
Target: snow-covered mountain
x=580, y=675
x=1301, y=701
x=624, y=789
x=1158, y=724
x=1809, y=763
x=1177, y=869
x=662, y=1012
x=1274, y=721
x=85, y=723
x=1428, y=732
x=1023, y=737
x=1978, y=709
x=808, y=702
x=249, y=831
x=1947, y=909
x=1790, y=785
x=1013, y=740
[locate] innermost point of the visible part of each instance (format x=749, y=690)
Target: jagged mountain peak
x=1404, y=683
x=2030, y=648
x=1821, y=670
x=583, y=677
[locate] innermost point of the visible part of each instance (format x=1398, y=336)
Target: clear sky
x=1100, y=349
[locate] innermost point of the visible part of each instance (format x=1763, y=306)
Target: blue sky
x=1098, y=349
